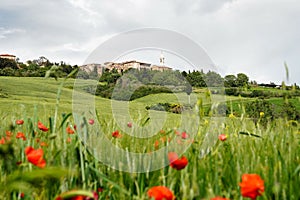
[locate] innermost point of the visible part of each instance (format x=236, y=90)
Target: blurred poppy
x=184, y=135
x=70, y=130
x=177, y=163
x=160, y=193
x=8, y=133
x=43, y=144
x=222, y=137
x=252, y=186
x=219, y=198
x=2, y=141
x=129, y=124
x=19, y=121
x=116, y=134
x=91, y=121
x=20, y=135
x=42, y=127
x=156, y=144
x=35, y=156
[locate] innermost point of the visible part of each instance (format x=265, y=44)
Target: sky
x=254, y=37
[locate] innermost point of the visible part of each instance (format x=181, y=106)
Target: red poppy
x=162, y=131
x=129, y=124
x=22, y=195
x=160, y=193
x=116, y=134
x=219, y=198
x=2, y=141
x=70, y=130
x=184, y=135
x=91, y=121
x=156, y=144
x=42, y=127
x=35, y=156
x=177, y=163
x=252, y=186
x=19, y=121
x=177, y=133
x=8, y=133
x=21, y=135
x=222, y=137
x=43, y=144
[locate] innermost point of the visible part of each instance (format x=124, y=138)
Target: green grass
x=70, y=166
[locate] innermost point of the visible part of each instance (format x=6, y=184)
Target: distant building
x=8, y=56
x=133, y=64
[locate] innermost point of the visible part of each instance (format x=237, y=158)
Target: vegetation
x=270, y=151
x=44, y=153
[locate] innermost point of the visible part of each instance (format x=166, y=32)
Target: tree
x=213, y=79
x=6, y=63
x=196, y=79
x=242, y=80
x=230, y=81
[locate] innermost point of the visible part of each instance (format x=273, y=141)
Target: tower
x=162, y=59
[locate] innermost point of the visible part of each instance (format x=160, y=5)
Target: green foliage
x=242, y=80
x=254, y=108
x=168, y=107
x=7, y=63
x=230, y=81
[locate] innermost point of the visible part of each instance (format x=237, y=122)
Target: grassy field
x=270, y=151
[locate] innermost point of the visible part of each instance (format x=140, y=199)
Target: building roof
x=7, y=55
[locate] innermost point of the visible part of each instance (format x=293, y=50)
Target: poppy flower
x=184, y=135
x=2, y=141
x=222, y=137
x=162, y=131
x=8, y=133
x=43, y=144
x=129, y=124
x=42, y=127
x=156, y=144
x=70, y=130
x=116, y=134
x=91, y=121
x=252, y=186
x=20, y=135
x=160, y=193
x=177, y=163
x=219, y=198
x=35, y=156
x=19, y=121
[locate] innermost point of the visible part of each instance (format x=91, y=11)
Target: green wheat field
x=270, y=150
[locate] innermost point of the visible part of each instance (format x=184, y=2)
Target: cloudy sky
x=254, y=37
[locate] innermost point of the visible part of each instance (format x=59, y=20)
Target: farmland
x=270, y=149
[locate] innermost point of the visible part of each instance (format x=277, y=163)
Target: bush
x=173, y=108
x=255, y=108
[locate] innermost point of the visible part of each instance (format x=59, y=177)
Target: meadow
x=50, y=159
